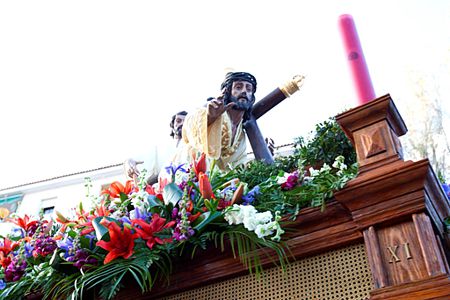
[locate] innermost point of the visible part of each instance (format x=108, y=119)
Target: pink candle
x=356, y=61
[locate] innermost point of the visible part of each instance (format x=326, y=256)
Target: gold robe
x=215, y=141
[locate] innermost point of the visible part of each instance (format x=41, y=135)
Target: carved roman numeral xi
x=393, y=253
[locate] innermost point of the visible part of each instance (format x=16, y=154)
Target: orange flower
x=121, y=243
x=24, y=222
x=205, y=186
x=100, y=211
x=116, y=188
x=148, y=230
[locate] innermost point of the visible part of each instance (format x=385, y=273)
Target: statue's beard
x=177, y=132
x=241, y=102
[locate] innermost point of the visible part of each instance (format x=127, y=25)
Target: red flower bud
x=205, y=186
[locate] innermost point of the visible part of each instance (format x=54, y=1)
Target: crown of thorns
x=238, y=76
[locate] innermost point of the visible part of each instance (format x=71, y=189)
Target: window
x=48, y=207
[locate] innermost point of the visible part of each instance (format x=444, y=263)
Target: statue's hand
x=131, y=170
x=216, y=107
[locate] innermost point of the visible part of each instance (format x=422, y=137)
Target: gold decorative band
x=292, y=85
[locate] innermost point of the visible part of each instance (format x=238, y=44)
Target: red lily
x=121, y=243
x=7, y=247
x=163, y=182
x=205, y=186
x=116, y=188
x=148, y=230
x=151, y=191
x=100, y=211
x=200, y=165
x=24, y=222
x=192, y=218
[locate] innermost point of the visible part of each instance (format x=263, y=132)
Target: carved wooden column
x=398, y=206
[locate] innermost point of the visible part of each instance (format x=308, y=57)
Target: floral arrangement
x=135, y=231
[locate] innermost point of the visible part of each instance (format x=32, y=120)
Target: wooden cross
x=254, y=135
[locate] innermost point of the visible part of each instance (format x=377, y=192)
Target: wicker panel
x=338, y=274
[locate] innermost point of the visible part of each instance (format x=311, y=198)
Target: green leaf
x=100, y=230
x=123, y=197
x=447, y=224
x=207, y=218
x=172, y=193
x=154, y=201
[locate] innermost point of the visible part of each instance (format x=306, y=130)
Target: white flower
x=263, y=230
x=325, y=168
x=250, y=224
x=117, y=214
x=261, y=223
x=181, y=176
x=339, y=163
x=313, y=172
x=282, y=179
x=336, y=164
x=133, y=214
x=264, y=217
x=233, y=215
x=139, y=199
x=248, y=210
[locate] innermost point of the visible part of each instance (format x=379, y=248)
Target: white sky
x=85, y=84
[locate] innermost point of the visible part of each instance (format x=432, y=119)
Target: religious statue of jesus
x=217, y=129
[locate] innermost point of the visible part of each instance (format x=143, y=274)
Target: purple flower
x=15, y=270
x=67, y=245
x=19, y=232
x=174, y=213
x=172, y=170
x=142, y=214
x=183, y=185
x=250, y=197
x=446, y=188
x=125, y=219
x=43, y=246
x=91, y=237
x=291, y=181
x=28, y=250
x=227, y=193
x=182, y=231
x=2, y=284
x=82, y=259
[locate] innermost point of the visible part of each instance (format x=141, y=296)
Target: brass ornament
x=293, y=85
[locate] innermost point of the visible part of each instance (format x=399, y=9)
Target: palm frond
x=248, y=247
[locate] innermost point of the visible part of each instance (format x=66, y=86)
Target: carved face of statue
x=177, y=126
x=242, y=95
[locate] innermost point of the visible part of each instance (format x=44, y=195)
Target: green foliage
x=246, y=246
x=256, y=171
x=327, y=142
x=447, y=224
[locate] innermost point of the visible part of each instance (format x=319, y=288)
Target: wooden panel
x=401, y=253
x=437, y=287
x=430, y=249
x=374, y=143
x=379, y=275
x=392, y=209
